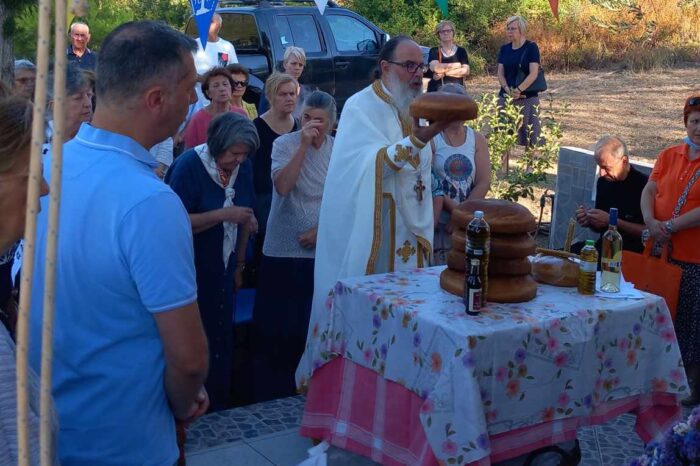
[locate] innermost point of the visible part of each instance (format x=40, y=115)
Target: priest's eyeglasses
x=410, y=66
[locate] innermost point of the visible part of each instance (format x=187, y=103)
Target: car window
x=305, y=33
x=239, y=29
x=351, y=35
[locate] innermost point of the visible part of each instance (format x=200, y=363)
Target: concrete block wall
x=577, y=174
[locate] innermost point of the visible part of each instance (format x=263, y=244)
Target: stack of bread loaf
x=509, y=270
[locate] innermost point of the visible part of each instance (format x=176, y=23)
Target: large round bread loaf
x=501, y=289
x=555, y=271
x=502, y=246
x=502, y=216
x=497, y=266
x=444, y=106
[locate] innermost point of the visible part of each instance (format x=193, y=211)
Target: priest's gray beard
x=402, y=94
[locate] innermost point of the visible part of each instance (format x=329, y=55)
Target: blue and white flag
x=321, y=4
x=203, y=11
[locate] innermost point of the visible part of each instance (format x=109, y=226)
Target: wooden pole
x=46, y=442
x=35, y=178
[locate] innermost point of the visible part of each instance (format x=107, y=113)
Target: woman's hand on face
x=238, y=215
x=658, y=232
x=311, y=131
x=438, y=76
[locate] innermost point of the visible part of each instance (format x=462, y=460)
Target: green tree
x=103, y=16
x=8, y=12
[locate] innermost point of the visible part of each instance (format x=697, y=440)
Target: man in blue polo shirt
x=78, y=50
x=130, y=354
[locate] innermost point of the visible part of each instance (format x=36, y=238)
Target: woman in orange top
x=671, y=209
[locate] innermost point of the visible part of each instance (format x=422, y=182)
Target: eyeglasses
x=445, y=31
x=240, y=83
x=410, y=66
x=693, y=101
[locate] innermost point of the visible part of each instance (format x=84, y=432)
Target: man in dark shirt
x=78, y=51
x=620, y=185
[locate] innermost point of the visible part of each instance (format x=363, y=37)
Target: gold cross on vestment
x=405, y=154
x=419, y=188
x=406, y=251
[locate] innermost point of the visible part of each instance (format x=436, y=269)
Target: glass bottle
x=477, y=247
x=611, y=256
x=473, y=290
x=588, y=264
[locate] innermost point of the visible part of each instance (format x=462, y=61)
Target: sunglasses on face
x=240, y=83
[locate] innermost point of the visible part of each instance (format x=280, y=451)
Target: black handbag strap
x=522, y=57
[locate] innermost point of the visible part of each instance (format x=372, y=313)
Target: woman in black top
x=520, y=53
x=281, y=91
x=448, y=62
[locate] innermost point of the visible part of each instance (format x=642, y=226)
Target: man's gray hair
x=228, y=129
x=137, y=55
x=79, y=23
x=617, y=146
x=217, y=17
x=24, y=64
x=322, y=101
x=75, y=81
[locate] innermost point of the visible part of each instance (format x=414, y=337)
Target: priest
x=376, y=212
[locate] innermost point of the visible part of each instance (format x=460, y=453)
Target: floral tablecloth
x=516, y=365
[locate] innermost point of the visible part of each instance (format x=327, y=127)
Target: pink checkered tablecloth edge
x=356, y=409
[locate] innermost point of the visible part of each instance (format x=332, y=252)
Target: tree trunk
x=7, y=59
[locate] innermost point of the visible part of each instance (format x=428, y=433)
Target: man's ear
x=155, y=98
x=384, y=65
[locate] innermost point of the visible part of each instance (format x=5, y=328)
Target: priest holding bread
x=376, y=212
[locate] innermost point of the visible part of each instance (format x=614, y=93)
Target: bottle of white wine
x=611, y=256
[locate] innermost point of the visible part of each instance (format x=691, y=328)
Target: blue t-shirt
x=518, y=58
x=125, y=253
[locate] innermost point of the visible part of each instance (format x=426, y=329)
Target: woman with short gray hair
x=214, y=182
x=293, y=64
x=25, y=78
x=286, y=280
x=78, y=103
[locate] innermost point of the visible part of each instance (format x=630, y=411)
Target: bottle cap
x=590, y=242
x=478, y=214
x=613, y=216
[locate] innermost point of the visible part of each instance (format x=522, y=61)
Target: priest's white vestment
x=376, y=212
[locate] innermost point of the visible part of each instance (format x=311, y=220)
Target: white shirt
x=219, y=53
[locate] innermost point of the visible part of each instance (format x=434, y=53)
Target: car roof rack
x=269, y=3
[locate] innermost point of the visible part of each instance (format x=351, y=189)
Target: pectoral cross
x=419, y=188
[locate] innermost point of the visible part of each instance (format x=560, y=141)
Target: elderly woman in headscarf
x=218, y=198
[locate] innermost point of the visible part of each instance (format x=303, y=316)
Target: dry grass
x=645, y=109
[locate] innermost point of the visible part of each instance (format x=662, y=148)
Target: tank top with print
x=455, y=167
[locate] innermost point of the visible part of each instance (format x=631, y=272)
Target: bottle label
x=611, y=266
x=474, y=302
x=586, y=266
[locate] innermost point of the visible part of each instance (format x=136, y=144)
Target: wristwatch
x=668, y=225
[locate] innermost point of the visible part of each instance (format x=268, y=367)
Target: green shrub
x=500, y=127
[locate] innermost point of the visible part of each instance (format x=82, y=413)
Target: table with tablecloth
x=397, y=371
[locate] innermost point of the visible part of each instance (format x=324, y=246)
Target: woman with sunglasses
x=240, y=77
x=217, y=87
x=449, y=63
x=671, y=209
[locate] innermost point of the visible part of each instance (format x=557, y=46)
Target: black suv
x=341, y=46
